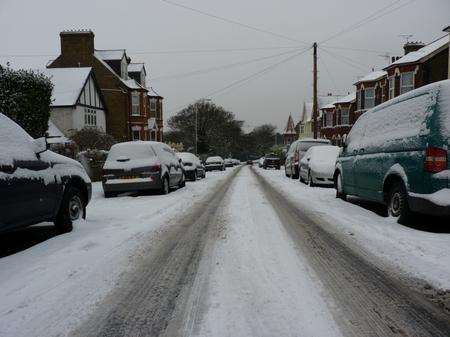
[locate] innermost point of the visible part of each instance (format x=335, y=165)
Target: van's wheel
x=398, y=203
x=182, y=182
x=339, y=189
x=165, y=188
x=73, y=207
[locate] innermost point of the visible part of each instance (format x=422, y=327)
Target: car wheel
x=398, y=203
x=165, y=188
x=73, y=207
x=339, y=188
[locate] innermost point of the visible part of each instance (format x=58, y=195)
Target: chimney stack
x=77, y=46
x=412, y=46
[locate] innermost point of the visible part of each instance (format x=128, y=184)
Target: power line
x=372, y=17
x=360, y=50
x=346, y=60
x=220, y=50
x=329, y=73
x=217, y=68
x=233, y=22
x=246, y=79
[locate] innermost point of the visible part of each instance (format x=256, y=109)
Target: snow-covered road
x=242, y=253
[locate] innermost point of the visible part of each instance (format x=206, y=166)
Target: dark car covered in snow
x=271, y=160
x=139, y=166
x=36, y=184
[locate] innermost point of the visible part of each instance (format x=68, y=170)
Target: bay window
x=329, y=119
x=152, y=104
x=90, y=117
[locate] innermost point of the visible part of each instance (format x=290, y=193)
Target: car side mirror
x=40, y=145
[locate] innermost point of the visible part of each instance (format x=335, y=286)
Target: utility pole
x=315, y=103
x=196, y=126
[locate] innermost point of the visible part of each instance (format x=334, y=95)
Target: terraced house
x=121, y=82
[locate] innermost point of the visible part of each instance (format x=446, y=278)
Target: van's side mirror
x=40, y=145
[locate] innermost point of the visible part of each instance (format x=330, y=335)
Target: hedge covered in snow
x=25, y=97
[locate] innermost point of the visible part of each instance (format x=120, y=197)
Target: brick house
x=371, y=90
x=338, y=118
x=155, y=108
x=125, y=98
x=420, y=66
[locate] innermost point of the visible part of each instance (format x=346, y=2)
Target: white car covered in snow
x=318, y=164
x=193, y=167
x=141, y=165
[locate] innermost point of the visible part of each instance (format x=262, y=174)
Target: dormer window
x=406, y=82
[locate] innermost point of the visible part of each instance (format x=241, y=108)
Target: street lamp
x=196, y=121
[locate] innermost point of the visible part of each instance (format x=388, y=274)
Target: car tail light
x=435, y=160
x=155, y=168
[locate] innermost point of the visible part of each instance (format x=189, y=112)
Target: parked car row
x=39, y=185
x=396, y=154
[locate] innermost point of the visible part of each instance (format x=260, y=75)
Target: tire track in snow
x=144, y=304
x=369, y=301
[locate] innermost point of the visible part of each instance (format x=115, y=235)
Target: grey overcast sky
x=146, y=27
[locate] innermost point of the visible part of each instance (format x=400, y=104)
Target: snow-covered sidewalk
x=47, y=289
x=414, y=253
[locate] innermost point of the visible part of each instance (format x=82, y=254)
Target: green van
x=397, y=154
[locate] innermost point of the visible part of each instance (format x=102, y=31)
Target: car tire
x=398, y=203
x=165, y=186
x=72, y=208
x=339, y=188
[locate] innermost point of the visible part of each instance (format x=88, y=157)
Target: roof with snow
x=136, y=67
x=132, y=84
x=111, y=54
x=307, y=112
x=56, y=136
x=424, y=53
x=153, y=93
x=67, y=84
x=347, y=99
x=373, y=76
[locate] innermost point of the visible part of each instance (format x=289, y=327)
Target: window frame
x=90, y=117
x=135, y=112
x=133, y=135
x=410, y=87
x=391, y=83
x=369, y=98
x=347, y=115
x=153, y=104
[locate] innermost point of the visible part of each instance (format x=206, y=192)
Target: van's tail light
x=435, y=160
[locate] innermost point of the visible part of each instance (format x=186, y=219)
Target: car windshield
x=214, y=160
x=186, y=156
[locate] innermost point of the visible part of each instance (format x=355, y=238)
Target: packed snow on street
x=252, y=279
